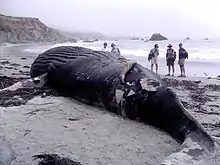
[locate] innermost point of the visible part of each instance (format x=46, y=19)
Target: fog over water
x=175, y=19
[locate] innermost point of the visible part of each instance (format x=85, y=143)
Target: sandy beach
x=194, y=68
x=90, y=135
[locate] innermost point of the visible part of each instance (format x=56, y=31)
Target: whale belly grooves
x=61, y=55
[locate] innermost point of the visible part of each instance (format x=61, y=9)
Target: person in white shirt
x=153, y=57
x=105, y=49
x=115, y=51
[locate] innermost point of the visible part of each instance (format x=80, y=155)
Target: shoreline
x=194, y=67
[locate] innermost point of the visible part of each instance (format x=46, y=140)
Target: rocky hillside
x=25, y=29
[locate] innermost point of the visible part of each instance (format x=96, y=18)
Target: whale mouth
x=197, y=148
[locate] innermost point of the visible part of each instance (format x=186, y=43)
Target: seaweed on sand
x=54, y=159
x=6, y=81
x=21, y=95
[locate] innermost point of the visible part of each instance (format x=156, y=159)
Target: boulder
x=157, y=37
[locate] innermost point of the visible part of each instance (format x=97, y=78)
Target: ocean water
x=208, y=50
x=204, y=56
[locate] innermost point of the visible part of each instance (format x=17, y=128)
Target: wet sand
x=53, y=124
x=194, y=67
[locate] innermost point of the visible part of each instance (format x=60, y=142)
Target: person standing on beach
x=115, y=51
x=183, y=54
x=105, y=49
x=153, y=57
x=170, y=58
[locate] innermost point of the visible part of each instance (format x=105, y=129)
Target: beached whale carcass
x=128, y=89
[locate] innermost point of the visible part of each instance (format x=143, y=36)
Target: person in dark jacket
x=183, y=54
x=170, y=57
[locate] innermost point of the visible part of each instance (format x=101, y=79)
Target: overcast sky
x=173, y=18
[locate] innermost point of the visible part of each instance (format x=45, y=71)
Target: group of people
x=114, y=49
x=153, y=57
x=170, y=59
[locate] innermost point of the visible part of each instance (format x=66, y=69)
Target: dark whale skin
x=94, y=77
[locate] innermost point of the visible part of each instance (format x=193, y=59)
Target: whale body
x=127, y=89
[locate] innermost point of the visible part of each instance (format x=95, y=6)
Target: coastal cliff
x=26, y=29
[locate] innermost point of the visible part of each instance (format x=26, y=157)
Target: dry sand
x=91, y=135
x=69, y=128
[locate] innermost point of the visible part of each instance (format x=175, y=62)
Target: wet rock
x=157, y=37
